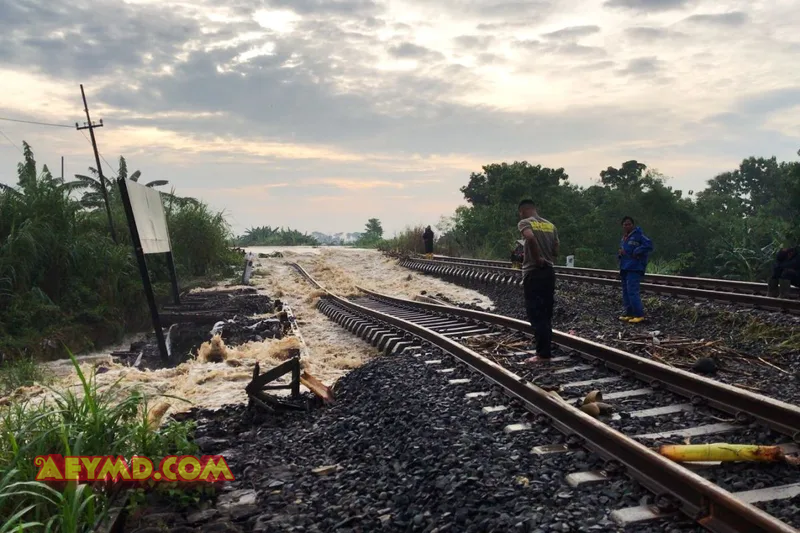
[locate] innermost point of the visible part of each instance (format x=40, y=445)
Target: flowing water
x=332, y=351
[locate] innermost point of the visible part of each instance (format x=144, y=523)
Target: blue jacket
x=637, y=248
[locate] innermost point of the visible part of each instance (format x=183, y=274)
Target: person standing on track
x=539, y=278
x=634, y=250
x=427, y=238
x=785, y=272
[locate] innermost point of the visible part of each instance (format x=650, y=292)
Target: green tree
x=631, y=175
x=373, y=229
x=372, y=236
x=269, y=236
x=62, y=278
x=93, y=197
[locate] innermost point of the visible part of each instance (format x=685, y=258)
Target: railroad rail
x=712, y=284
x=499, y=274
x=396, y=325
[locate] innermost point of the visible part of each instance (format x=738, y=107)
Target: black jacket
x=783, y=260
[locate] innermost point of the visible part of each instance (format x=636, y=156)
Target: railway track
x=714, y=284
x=695, y=288
x=469, y=348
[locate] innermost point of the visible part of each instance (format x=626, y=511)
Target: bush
x=63, y=279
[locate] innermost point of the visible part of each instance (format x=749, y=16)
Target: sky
x=320, y=114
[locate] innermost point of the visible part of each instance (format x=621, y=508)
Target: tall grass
x=64, y=281
x=446, y=243
x=407, y=241
x=90, y=421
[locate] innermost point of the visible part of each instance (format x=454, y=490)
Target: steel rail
x=715, y=284
x=511, y=275
x=712, y=507
x=744, y=405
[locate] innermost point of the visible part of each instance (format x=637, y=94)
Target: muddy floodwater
x=331, y=351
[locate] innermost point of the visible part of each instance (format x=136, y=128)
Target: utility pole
x=91, y=126
x=62, y=168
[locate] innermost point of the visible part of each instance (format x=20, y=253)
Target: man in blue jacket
x=634, y=250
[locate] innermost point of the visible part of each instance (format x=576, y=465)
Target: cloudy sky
x=319, y=114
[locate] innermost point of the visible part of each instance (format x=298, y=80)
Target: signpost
x=150, y=235
x=248, y=267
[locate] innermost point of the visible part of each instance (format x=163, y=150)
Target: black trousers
x=428, y=246
x=540, y=290
x=780, y=272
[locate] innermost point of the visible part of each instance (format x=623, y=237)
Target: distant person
x=634, y=250
x=785, y=272
x=518, y=255
x=427, y=238
x=539, y=278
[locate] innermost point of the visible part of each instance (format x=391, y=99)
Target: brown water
x=331, y=351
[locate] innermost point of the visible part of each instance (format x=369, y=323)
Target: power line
x=12, y=142
x=34, y=122
x=101, y=155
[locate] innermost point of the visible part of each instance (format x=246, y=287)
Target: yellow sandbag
x=721, y=452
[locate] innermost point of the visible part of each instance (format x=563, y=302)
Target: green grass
x=91, y=421
x=21, y=372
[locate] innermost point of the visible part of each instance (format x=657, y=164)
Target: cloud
x=595, y=66
x=733, y=18
x=530, y=44
x=490, y=59
x=510, y=25
x=249, y=190
x=557, y=48
x=770, y=101
x=413, y=51
x=474, y=41
x=642, y=66
x=329, y=7
x=648, y=5
x=264, y=93
x=357, y=184
x=81, y=40
x=493, y=9
x=572, y=32
x=651, y=34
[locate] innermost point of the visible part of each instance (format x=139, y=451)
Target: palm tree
x=93, y=197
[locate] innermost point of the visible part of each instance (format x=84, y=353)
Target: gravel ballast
x=591, y=311
x=410, y=454
x=403, y=450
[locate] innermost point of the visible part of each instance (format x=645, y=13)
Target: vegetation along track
x=484, y=343
x=739, y=292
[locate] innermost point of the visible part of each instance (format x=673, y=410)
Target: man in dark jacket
x=427, y=238
x=785, y=272
x=634, y=250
